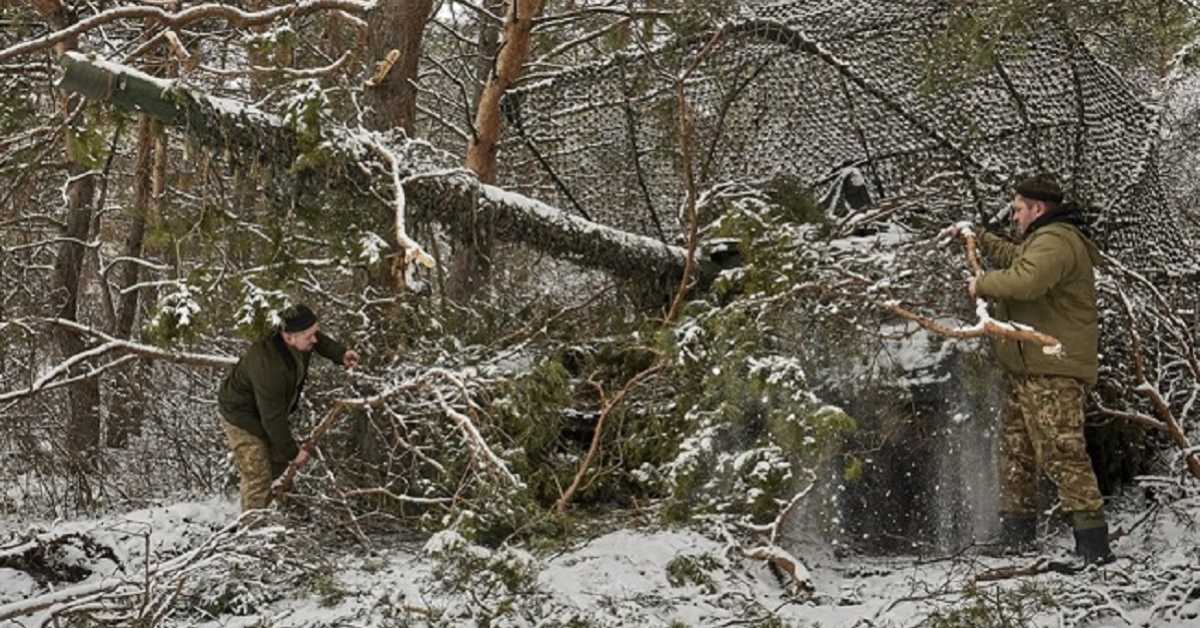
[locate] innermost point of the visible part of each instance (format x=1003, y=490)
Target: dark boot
x=1018, y=534
x=1091, y=538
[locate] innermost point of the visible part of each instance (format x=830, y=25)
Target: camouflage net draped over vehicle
x=855, y=103
x=849, y=97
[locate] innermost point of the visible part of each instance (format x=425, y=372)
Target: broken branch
x=986, y=327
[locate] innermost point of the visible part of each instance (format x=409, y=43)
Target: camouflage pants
x=252, y=457
x=1042, y=430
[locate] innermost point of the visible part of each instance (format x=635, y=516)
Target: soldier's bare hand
x=350, y=359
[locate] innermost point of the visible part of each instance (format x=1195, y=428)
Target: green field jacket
x=1047, y=282
x=264, y=387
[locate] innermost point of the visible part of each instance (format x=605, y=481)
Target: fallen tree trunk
x=348, y=161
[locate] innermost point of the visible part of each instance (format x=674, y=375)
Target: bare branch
x=480, y=10
x=609, y=405
x=235, y=17
x=146, y=351
x=986, y=327
x=1161, y=407
x=689, y=176
x=572, y=16
x=579, y=41
x=289, y=72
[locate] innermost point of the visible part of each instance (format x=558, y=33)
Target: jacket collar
x=1067, y=214
x=282, y=348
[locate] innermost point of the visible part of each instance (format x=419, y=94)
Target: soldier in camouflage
x=260, y=392
x=1046, y=281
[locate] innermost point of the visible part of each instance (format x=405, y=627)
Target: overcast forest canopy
x=642, y=267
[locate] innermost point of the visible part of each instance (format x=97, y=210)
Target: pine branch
x=597, y=434
x=443, y=195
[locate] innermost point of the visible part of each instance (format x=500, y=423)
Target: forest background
x=649, y=265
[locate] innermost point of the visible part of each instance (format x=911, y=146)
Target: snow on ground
x=646, y=576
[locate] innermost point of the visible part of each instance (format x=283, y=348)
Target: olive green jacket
x=1047, y=282
x=264, y=387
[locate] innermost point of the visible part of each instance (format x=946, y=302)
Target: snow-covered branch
x=232, y=15
x=144, y=350
x=51, y=378
x=1151, y=392
x=986, y=326
x=771, y=552
x=44, y=384
x=163, y=578
x=442, y=195
x=412, y=252
x=474, y=439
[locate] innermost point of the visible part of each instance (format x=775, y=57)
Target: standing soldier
x=262, y=390
x=1046, y=281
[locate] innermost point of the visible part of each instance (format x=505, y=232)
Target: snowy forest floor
x=622, y=574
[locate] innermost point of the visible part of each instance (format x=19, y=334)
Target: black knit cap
x=297, y=318
x=1042, y=187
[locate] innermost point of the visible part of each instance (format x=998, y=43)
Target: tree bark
x=518, y=23
x=499, y=67
x=395, y=25
x=471, y=263
x=440, y=196
x=83, y=423
x=128, y=407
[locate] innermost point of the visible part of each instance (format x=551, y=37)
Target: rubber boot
x=1091, y=538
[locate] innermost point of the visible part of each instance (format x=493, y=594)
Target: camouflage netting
x=818, y=91
x=854, y=101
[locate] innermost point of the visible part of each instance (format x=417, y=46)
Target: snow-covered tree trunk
x=472, y=254
x=441, y=196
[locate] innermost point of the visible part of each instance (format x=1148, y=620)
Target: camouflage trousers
x=255, y=469
x=1042, y=431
